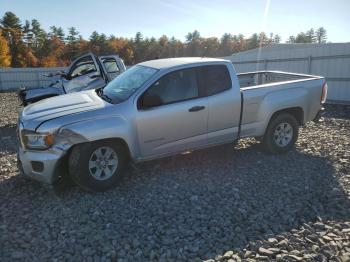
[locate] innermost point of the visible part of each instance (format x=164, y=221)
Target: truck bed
x=252, y=79
x=264, y=92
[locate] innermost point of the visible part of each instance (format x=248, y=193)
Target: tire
x=89, y=172
x=281, y=134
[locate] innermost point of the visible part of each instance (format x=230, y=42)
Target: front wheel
x=97, y=166
x=281, y=133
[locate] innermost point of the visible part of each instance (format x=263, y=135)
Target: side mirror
x=149, y=101
x=65, y=76
x=61, y=74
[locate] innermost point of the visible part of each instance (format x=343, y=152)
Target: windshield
x=122, y=87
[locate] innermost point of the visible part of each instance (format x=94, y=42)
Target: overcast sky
x=178, y=17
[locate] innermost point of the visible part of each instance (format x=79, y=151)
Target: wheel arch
x=296, y=112
x=114, y=140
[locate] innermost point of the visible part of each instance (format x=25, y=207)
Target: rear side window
x=214, y=79
x=110, y=65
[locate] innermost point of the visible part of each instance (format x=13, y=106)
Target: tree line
x=29, y=45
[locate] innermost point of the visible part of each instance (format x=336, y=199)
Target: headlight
x=37, y=140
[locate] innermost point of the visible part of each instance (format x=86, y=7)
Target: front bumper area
x=49, y=169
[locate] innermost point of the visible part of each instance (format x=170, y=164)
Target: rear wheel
x=281, y=133
x=97, y=166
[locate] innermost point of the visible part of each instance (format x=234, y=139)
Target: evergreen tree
x=11, y=21
x=176, y=48
x=27, y=34
x=253, y=41
x=310, y=36
x=321, y=35
x=263, y=39
x=226, y=45
x=277, y=39
x=194, y=44
x=12, y=31
x=195, y=35
x=301, y=38
x=139, y=47
x=39, y=37
x=57, y=32
x=73, y=36
x=291, y=39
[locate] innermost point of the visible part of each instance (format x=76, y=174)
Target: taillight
x=324, y=93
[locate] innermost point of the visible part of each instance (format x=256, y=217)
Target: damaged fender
x=94, y=130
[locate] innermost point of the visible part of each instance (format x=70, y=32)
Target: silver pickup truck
x=160, y=108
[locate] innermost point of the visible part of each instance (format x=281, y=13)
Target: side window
x=110, y=65
x=214, y=79
x=83, y=66
x=176, y=86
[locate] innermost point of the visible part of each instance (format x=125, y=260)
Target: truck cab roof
x=179, y=61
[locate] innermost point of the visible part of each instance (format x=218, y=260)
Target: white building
x=331, y=60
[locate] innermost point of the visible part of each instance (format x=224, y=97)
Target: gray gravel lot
x=224, y=203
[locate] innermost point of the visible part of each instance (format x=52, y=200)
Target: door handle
x=196, y=108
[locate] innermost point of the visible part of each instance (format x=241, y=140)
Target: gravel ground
x=224, y=204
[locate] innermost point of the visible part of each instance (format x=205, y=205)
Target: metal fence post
x=265, y=64
x=309, y=65
x=38, y=78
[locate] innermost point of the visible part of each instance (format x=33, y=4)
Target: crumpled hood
x=33, y=94
x=35, y=114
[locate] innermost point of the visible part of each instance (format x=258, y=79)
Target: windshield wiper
x=103, y=96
